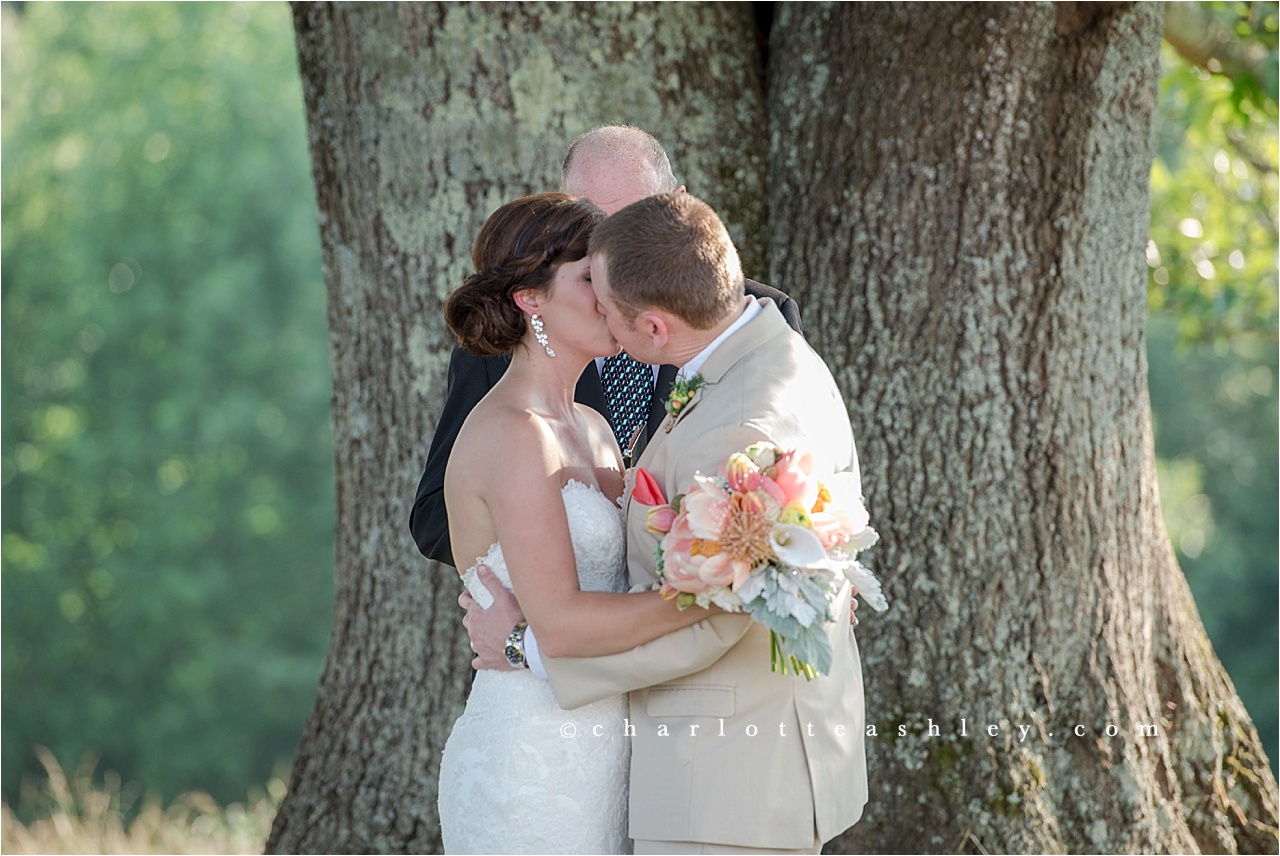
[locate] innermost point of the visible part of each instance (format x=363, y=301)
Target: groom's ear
x=655, y=327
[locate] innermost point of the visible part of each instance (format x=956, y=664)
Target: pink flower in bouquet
x=646, y=489
x=706, y=506
x=682, y=572
x=772, y=490
x=794, y=480
x=659, y=519
x=768, y=537
x=679, y=538
x=741, y=473
x=692, y=564
x=753, y=503
x=745, y=542
x=723, y=569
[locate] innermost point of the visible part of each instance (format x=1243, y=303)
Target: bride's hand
x=489, y=628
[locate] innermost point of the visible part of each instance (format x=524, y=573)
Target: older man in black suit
x=612, y=166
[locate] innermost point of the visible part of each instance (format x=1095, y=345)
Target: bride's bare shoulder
x=500, y=435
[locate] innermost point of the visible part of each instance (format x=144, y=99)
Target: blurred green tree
x=1212, y=255
x=1215, y=430
x=1212, y=332
x=167, y=458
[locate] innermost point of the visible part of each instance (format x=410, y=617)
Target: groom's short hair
x=671, y=252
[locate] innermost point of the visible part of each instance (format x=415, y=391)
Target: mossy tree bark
x=959, y=193
x=422, y=119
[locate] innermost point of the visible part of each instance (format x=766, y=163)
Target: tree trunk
x=959, y=192
x=958, y=198
x=423, y=118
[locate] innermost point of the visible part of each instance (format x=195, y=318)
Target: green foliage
x=167, y=460
x=1211, y=345
x=1212, y=254
x=1216, y=438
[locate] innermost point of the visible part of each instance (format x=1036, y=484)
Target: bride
x=532, y=490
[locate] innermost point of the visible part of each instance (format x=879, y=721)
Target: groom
x=726, y=755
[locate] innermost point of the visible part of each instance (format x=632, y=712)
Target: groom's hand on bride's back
x=489, y=628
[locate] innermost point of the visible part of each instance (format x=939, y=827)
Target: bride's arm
x=529, y=515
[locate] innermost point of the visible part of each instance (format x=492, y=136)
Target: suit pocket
x=691, y=700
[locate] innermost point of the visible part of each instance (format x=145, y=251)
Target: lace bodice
x=599, y=545
x=519, y=774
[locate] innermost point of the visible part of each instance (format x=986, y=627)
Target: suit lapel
x=768, y=324
x=756, y=332
x=661, y=389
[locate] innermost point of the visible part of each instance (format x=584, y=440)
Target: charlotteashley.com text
x=927, y=728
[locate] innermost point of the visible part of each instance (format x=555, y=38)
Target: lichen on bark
x=964, y=204
x=424, y=118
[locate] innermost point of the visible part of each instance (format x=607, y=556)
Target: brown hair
x=671, y=251
x=519, y=247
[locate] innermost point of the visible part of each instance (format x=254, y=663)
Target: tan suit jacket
x=725, y=751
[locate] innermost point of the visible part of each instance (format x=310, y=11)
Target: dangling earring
x=539, y=334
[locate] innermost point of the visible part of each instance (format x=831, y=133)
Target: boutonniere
x=681, y=397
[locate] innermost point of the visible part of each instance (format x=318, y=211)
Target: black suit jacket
x=471, y=378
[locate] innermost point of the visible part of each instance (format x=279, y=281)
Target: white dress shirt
x=691, y=368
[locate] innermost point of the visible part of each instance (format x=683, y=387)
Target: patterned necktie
x=628, y=387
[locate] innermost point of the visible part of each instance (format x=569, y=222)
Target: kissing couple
x=620, y=703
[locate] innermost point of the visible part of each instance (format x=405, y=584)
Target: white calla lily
x=796, y=546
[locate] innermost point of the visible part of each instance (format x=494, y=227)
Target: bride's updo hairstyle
x=519, y=247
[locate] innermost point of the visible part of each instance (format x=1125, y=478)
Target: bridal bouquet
x=766, y=537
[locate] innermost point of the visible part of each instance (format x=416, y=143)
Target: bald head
x=616, y=165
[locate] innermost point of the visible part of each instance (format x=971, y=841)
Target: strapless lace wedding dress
x=519, y=774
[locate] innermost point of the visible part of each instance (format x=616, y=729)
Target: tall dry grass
x=75, y=814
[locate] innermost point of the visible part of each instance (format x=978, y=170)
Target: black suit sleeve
x=791, y=312
x=470, y=379
x=789, y=308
